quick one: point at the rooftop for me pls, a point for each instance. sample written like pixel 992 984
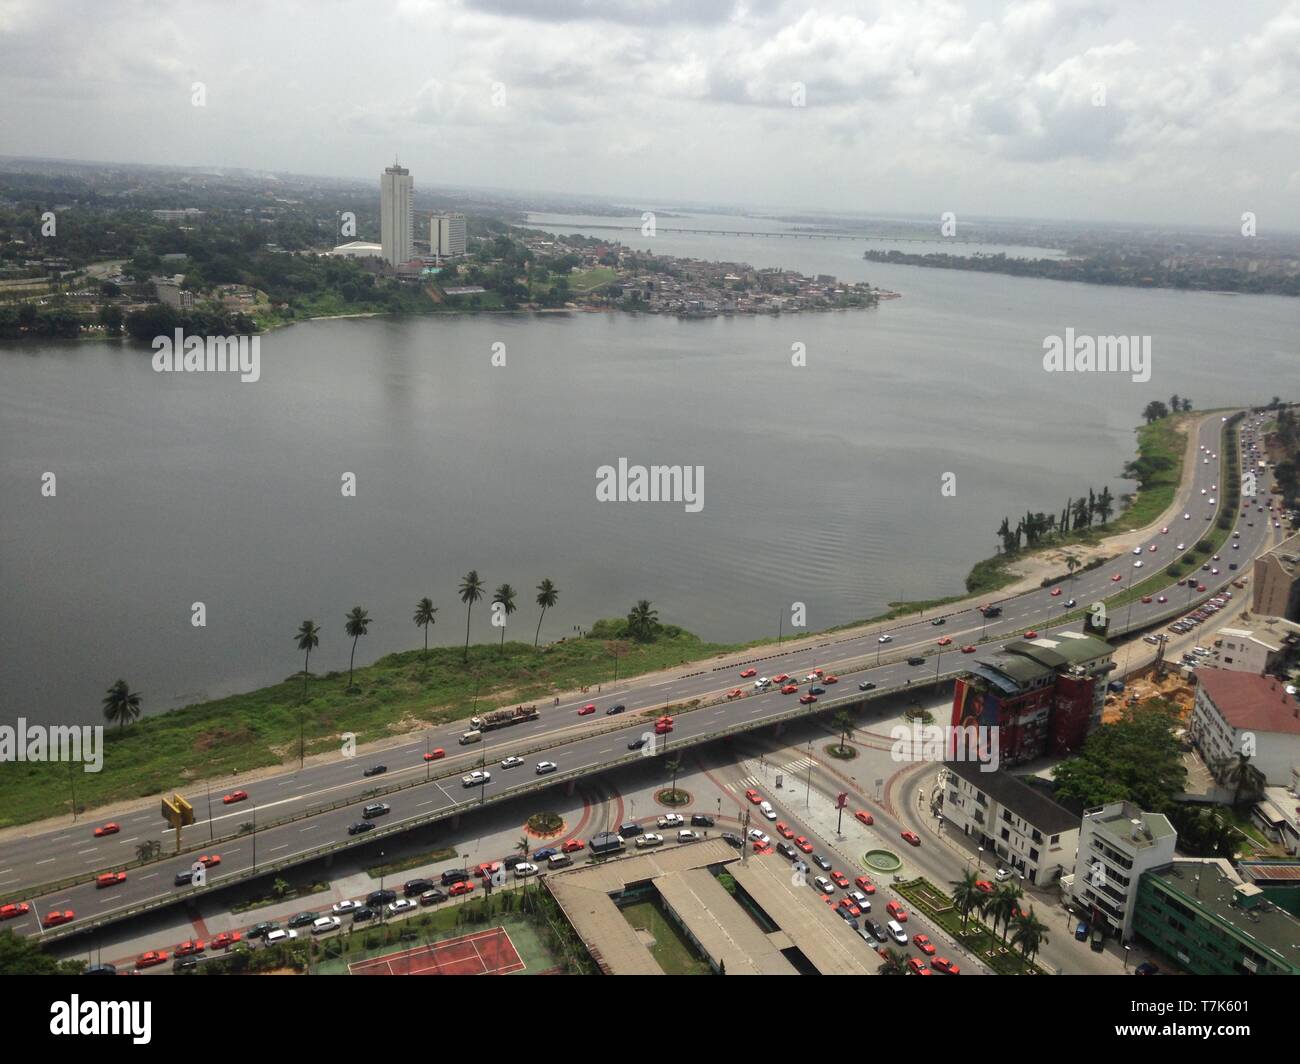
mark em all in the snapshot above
pixel 1126 824
pixel 1250 702
pixel 1026 802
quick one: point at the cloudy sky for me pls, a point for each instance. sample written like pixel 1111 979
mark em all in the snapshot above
pixel 1161 112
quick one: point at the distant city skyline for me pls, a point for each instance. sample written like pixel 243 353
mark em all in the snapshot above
pixel 1181 114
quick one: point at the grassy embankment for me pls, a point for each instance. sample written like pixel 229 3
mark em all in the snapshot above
pixel 258 729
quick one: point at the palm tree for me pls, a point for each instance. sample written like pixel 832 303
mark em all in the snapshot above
pixel 674 766
pixel 308 640
pixel 1002 905
pixel 966 895
pixel 1071 564
pixel 121 704
pixel 1030 934
pixel 642 620
pixel 524 846
pixel 1246 778
pixel 547 593
pixel 843 722
pixel 893 962
pixel 424 611
pixel 504 596
pixel 358 625
pixel 471 590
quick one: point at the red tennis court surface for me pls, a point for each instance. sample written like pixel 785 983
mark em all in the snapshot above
pixel 483 953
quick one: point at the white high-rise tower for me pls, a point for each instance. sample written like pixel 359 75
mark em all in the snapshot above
pixel 447 235
pixel 395 187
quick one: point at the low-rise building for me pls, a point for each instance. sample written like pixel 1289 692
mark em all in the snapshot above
pixel 1262 647
pixel 1117 843
pixel 359 249
pixel 1240 713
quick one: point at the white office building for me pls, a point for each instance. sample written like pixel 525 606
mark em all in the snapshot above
pixel 1117 843
pixel 447 235
pixel 395 235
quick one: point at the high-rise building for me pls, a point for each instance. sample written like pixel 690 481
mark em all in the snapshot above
pixel 447 235
pixel 395 187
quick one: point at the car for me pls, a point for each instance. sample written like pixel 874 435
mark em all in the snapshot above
pixel 1165 531
pixel 671 820
pixel 150 958
pixel 848 905
pixel 1181 546
pixel 916 659
pixel 412 887
pixel 923 943
pixel 1137 565
pixel 225 939
pixel 483 871
pixel 14 909
pixel 190 947
pixel 234 796
pixel 649 839
pixel 435 755
pixel 524 869
pixel 823 884
pixel 1070 604
pixel 433 896
pixel 945 641
pixel 968 649
pixel 735 692
pixel 804 844
pixel 984 886
pixel 375 809
pixel 636 744
pixel 616 709
pixel 784 830
pixel 1116 578
pixel 911 838
pixel 401 905
pixel 1003 874
pixel 58 916
pixel 1151 549
pixel 701 820
pixel 816 690
pixel 761 683
pixel 345 906
pixel 325 924
pixel 1146 598
pixel 110 879
pixel 463 887
pixel 841 880
pixel 1031 634
pixel 783 678
pixel 864 817
pixel 918 967
pixel 686 835
pixel 544 767
pixel 1200 587
pixel 477 778
pixel 870 927
pixel 866 685
pixel 278 937
pixel 1137 550
pixel 587 710
pixel 755 835
pixel 511 762
pixel 821 862
pixel 361 915
pixel 807 699
pixel 1187 517
pixel 111 828
pixel 789 689
pixel 885 639
pixel 1147 968
pixel 944 965
pixel 1214 571
pixel 1056 592
pixel 767 810
pixel 896 911
pixel 747 673
pixel 360 827
pixel 830 679
pixel 263 929
pixel 753 796
pixel 1161 598
pixel 865 885
pixel 374 770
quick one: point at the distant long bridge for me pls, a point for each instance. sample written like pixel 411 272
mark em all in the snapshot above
pixel 792 234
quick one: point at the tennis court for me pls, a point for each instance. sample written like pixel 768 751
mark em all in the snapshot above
pixel 482 953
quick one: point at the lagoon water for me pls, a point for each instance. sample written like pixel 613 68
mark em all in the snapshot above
pixel 821 483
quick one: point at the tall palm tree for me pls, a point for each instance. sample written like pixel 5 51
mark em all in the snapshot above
pixel 524 846
pixel 1002 906
pixel 1245 778
pixel 966 895
pixel 308 640
pixel 504 596
pixel 1030 934
pixel 893 962
pixel 674 766
pixel 121 704
pixel 424 611
pixel 642 620
pixel 547 593
pixel 471 590
pixel 843 722
pixel 358 625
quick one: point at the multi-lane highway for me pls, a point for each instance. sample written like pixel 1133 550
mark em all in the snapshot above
pixel 582 744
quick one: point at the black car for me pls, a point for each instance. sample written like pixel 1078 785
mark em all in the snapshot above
pixel 412 887
pixel 375 809
pixel 848 918
pixel 377 898
pixel 362 914
pixel 101 969
pixel 992 611
pixel 185 964
pixel 432 896
pixel 360 827
pixel 508 863
pixel 636 744
pixel 263 929
pixel 821 862
pixel 699 820
pixel 875 930
pixel 301 919
pixel 375 770
pixel 454 875
pixel 735 840
pixel 938 621
pixel 866 685
pixel 183 879
pixel 1147 968
pixel 615 709
pixel 916 661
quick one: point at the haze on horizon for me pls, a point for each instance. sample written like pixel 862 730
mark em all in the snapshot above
pixel 987 109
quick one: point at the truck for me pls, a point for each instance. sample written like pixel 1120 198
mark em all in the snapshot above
pixel 503 718
pixel 471 737
pixel 605 842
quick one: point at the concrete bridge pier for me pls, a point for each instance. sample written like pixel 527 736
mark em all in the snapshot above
pixel 778 729
pixel 570 787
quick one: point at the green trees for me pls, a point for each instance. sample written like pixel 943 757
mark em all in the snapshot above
pixel 121 704
pixel 966 895
pixel 308 640
pixel 424 611
pixel 504 596
pixel 1029 933
pixel 1154 411
pixel 547 595
pixel 642 621
pixel 358 624
pixel 1135 759
pixel 470 591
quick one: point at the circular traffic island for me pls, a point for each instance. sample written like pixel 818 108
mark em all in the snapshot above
pixel 882 862
pixel 843 753
pixel 545 825
pixel 673 799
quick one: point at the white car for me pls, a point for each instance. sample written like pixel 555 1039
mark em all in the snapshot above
pixel 885 639
pixel 325 924
pixel 767 809
pixel 1181 546
pixel 860 900
pixel 273 937
pixel 543 767
pixel 1137 565
pixel 512 762
pixel 1002 874
pixel 761 682
pixel 823 884
pixel 345 906
pixel 475 778
pixel 523 870
pixel 1137 550
pixel 757 836
pixel 672 820
pixel 686 835
pixel 649 839
pixel 1187 517
pixel 1204 492
pixel 401 905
